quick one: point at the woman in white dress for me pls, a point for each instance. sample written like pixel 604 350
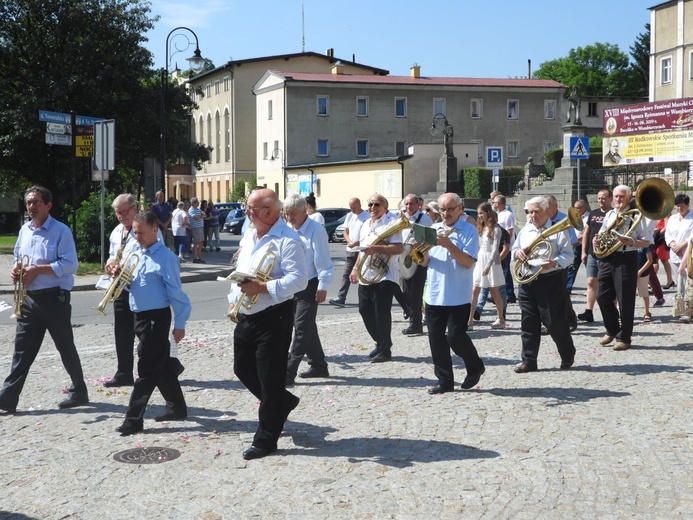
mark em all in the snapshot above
pixel 487 270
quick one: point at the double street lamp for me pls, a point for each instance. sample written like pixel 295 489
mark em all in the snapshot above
pixel 180 43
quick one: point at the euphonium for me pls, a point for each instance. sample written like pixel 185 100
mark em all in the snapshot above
pixel 417 253
pixel 262 272
pixel 19 287
pixel 378 262
pixel 541 248
pixel 124 277
pixel 654 199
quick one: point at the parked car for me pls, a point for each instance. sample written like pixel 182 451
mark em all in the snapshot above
pixel 332 214
pixel 224 210
pixel 332 226
pixel 234 221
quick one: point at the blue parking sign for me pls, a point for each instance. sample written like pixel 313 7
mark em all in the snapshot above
pixel 494 157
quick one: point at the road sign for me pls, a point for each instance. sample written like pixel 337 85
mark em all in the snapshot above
pixel 579 148
pixel 84 140
pixel 84 151
pixel 494 157
pixel 104 144
pixel 63 140
pixel 58 128
pixel 54 117
pixel 86 120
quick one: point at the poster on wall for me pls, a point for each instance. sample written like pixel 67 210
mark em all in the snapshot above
pixel 648 148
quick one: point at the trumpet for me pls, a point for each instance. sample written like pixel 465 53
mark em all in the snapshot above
pixel 124 277
pixel 20 287
pixel 378 262
pixel 262 272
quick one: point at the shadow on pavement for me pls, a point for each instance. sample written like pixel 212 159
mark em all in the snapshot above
pixel 557 396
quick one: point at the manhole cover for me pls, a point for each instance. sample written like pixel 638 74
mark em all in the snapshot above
pixel 146 455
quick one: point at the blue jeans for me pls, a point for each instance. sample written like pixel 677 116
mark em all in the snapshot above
pixel 180 243
pixel 484 297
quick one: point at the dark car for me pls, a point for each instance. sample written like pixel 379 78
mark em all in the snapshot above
pixel 224 210
pixel 332 226
pixel 332 214
pixel 234 221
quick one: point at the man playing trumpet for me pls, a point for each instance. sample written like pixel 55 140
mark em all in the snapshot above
pixel 543 299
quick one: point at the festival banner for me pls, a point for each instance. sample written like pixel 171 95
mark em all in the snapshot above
pixel 648 148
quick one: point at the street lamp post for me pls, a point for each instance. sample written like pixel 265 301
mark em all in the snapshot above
pixel 196 61
pixel 448 178
pixel 275 152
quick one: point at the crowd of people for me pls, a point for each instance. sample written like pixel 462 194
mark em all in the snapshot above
pixel 457 263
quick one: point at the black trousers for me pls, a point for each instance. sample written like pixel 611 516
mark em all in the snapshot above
pixel 260 347
pixel 306 339
pixel 454 319
pixel 154 367
pixel 124 330
pixel 349 264
pixel 43 310
pixel 375 305
pixel 543 300
pixel 413 289
pixel 509 282
pixel 618 280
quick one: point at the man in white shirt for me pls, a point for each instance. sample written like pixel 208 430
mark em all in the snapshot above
pixel 413 287
pixel 352 227
pixel 678 232
pixel 506 220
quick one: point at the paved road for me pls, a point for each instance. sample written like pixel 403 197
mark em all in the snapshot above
pixel 610 438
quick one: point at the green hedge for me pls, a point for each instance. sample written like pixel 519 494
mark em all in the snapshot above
pixel 88 219
pixel 552 160
pixel 478 182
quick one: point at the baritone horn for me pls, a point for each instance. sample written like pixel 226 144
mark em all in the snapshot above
pixel 262 272
pixel 654 199
pixel 20 287
pixel 124 277
pixel 378 262
pixel 542 250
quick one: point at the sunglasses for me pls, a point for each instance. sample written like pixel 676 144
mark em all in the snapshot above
pixel 376 204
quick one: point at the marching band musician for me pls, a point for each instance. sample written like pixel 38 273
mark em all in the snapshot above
pixel 544 298
pixel 262 336
pixel 320 271
pixel 618 274
pixel 156 287
pixel 122 241
pixel 449 294
pixel 375 299
pixel 413 287
pixel 48 279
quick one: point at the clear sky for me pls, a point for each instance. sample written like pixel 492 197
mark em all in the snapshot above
pixel 463 38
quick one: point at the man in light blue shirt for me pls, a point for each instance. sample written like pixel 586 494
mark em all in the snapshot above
pixel 320 271
pixel 48 259
pixel 262 335
pixel 156 288
pixel 448 295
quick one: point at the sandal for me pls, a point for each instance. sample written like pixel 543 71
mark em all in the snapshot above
pixel 647 318
pixel 669 285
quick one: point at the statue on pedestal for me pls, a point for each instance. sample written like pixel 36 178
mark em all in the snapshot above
pixel 574 105
pixel 447 139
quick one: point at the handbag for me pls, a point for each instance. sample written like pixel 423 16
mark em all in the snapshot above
pixel 681 306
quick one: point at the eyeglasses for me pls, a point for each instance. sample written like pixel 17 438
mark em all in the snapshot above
pixel 376 204
pixel 448 210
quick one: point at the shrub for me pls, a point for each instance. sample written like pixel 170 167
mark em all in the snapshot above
pixel 478 182
pixel 552 160
pixel 88 217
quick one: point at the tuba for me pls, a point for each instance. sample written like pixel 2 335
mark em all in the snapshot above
pixel 19 287
pixel 262 272
pixel 654 199
pixel 378 262
pixel 541 249
pixel 124 277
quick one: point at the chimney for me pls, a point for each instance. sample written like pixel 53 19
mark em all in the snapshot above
pixel 330 52
pixel 338 68
pixel 529 69
pixel 415 71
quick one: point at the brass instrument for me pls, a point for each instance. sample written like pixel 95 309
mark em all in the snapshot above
pixel 124 277
pixel 541 249
pixel 417 253
pixel 654 199
pixel 262 272
pixel 378 262
pixel 20 287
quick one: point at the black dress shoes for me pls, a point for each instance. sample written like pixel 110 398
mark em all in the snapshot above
pixel 412 331
pixel 439 389
pixel 523 368
pixel 382 357
pixel 257 453
pixel 170 416
pixel 119 381
pixel 73 401
pixel 374 352
pixel 7 409
pixel 567 363
pixel 315 372
pixel 472 379
pixel 126 430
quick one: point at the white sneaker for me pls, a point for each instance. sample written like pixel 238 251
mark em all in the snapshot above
pixel 685 319
pixel 182 259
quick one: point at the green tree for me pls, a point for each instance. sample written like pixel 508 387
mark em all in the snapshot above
pixel 639 80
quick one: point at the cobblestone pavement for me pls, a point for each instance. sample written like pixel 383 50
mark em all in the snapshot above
pixel 610 438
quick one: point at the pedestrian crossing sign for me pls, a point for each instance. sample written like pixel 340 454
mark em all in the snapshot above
pixel 579 148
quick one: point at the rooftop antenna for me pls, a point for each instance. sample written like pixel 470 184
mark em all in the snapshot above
pixel 303 29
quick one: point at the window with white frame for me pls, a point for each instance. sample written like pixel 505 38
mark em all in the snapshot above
pixel 269 109
pixel 208 89
pixel 217 129
pixel 401 108
pixel 226 83
pixel 550 109
pixel 513 148
pixel 323 147
pixel 479 147
pixel 265 154
pixel 227 136
pixel 276 147
pixel 513 109
pixel 438 106
pixel 362 147
pixel 217 84
pixel 592 109
pixel 323 105
pixel 362 106
pixel 193 95
pixel 476 108
pixel 665 66
pixel 547 146
pixel 400 148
